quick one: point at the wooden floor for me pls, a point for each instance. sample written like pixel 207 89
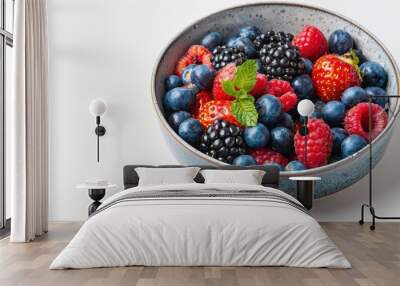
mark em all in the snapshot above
pixel 375 257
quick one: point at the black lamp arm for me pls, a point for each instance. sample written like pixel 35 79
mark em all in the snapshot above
pixel 99 131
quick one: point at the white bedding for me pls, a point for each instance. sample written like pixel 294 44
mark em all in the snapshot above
pixel 200 231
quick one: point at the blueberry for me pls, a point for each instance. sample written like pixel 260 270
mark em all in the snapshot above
pixel 202 76
pixel 295 166
pixel 180 98
pixel 286 120
pixel 279 166
pixel 308 65
pixel 212 40
pixel 247 45
pixel 335 157
pixel 190 130
pixel 282 140
pixel 382 100
pixel 172 81
pixel 186 74
pixel 269 109
pixel 338 135
pixel 318 106
pixel 361 58
pixel 303 87
pixel 373 74
pixel 354 95
pixel 176 118
pixel 250 32
pixel 231 42
pixel 244 160
pixel 340 42
pixel 334 112
pixel 352 144
pixel 257 136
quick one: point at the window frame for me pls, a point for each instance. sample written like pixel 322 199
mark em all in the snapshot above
pixel 6 39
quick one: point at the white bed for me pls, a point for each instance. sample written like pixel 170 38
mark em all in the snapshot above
pixel 206 230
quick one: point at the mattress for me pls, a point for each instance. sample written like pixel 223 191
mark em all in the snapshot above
pixel 200 225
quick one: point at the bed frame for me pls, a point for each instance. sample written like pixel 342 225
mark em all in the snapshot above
pixel 271 177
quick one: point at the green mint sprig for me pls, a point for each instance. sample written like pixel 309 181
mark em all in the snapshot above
pixel 243 107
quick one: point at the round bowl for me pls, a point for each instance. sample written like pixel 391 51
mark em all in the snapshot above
pixel 291 18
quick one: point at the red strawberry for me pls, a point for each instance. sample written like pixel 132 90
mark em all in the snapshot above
pixel 311 43
pixel 201 98
pixel 265 156
pixel 216 109
pixel 357 119
pixel 196 54
pixel 319 144
pixel 261 85
pixel 288 100
pixel 278 87
pixel 226 73
pixel 332 75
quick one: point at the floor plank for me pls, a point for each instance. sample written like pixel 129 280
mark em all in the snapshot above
pixel 375 257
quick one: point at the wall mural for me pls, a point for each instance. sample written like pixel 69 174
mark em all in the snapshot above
pixel 227 91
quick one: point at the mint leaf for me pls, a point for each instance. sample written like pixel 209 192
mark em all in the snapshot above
pixel 245 77
pixel 245 111
pixel 229 87
pixel 241 94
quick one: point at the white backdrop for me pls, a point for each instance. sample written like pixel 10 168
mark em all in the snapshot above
pixel 107 49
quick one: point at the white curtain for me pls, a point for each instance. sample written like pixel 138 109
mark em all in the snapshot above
pixel 27 117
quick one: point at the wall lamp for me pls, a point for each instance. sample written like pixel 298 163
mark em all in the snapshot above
pixel 305 109
pixel 97 108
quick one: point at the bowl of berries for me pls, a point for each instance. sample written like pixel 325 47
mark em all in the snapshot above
pixel 227 90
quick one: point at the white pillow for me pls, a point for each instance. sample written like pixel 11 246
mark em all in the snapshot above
pixel 247 177
pixel 165 176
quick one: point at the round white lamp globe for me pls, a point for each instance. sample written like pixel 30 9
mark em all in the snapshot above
pixel 97 107
pixel 305 107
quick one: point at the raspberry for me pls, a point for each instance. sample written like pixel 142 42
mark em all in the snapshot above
pixel 288 100
pixel 311 42
pixel 278 87
pixel 196 54
pixel 357 119
pixel 319 144
pixel 265 156
pixel 261 85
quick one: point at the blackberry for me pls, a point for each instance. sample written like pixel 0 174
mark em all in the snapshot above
pixel 223 55
pixel 281 61
pixel 223 141
pixel 272 37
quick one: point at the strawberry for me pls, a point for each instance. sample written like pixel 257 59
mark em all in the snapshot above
pixel 216 109
pixel 311 43
pixel 319 144
pixel 288 100
pixel 196 54
pixel 332 75
pixel 201 98
pixel 278 87
pixel 261 85
pixel 226 73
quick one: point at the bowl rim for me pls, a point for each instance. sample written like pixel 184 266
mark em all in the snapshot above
pixel 312 171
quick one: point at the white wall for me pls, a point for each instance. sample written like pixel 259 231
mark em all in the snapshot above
pixel 107 49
